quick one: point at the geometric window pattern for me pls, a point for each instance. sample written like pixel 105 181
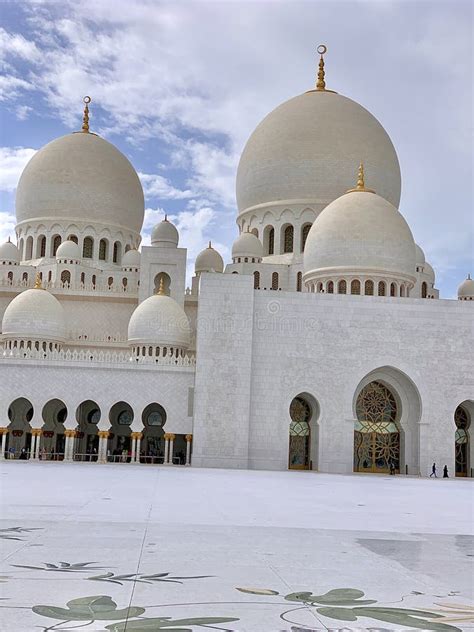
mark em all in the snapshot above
pixel 300 413
pixel 376 409
pixel 462 420
pixel 288 239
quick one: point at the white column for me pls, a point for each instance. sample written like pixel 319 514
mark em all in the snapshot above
pixel 2 443
pixel 172 438
pixel 167 447
pixel 189 438
pixel 102 452
pixel 38 445
pixel 134 447
pixel 137 453
pixel 33 446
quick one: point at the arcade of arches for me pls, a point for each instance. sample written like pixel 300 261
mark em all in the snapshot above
pixel 90 440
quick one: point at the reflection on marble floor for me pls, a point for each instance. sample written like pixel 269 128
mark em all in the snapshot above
pixel 93 562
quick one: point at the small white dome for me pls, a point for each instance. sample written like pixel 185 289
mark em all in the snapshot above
pixel 428 270
pixel 9 252
pixel 247 245
pixel 466 289
pixel 165 234
pixel 131 259
pixel 159 320
pixel 360 233
pixel 420 256
pixel 209 260
pixel 68 250
pixel 34 315
pixel 81 177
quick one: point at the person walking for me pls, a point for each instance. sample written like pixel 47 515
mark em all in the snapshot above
pixel 392 468
pixel 433 471
pixel 445 472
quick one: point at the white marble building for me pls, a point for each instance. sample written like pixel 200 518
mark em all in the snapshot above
pixel 323 345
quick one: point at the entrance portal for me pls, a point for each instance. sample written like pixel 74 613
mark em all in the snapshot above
pixel 376 436
pixel 463 421
pixel 300 435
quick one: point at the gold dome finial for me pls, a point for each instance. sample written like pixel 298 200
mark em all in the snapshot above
pixel 320 83
pixel 161 289
pixel 360 186
pixel 37 285
pixel 85 118
pixel 210 245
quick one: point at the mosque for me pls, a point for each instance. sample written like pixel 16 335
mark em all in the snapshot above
pixel 322 345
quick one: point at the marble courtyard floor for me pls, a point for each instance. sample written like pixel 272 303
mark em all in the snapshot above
pixel 141 548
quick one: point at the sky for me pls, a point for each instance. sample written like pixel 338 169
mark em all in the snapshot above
pixel 179 87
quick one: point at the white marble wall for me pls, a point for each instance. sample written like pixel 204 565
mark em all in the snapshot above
pixel 278 346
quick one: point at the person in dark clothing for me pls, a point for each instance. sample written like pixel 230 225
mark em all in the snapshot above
pixel 445 472
pixel 433 471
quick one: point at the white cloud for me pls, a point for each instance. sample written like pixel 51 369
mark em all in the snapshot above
pixel 12 162
pixel 22 112
pixel 7 226
pixel 157 186
pixel 11 87
pixel 16 45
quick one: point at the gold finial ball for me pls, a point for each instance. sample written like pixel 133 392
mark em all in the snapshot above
pixel 86 100
pixel 322 48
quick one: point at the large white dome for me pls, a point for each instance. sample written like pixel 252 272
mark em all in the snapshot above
pixel 34 315
pixel 165 234
pixel 466 289
pixel 159 320
pixel 83 178
pixel 208 260
pixel 306 149
pixel 360 233
pixel 9 252
pixel 247 245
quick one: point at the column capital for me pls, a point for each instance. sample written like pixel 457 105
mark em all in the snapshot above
pixel 103 434
pixel 168 436
pixel 189 438
pixel 136 435
pixel 69 433
pixel 4 431
pixel 36 432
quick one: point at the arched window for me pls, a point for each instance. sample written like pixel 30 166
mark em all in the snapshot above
pixel 56 244
pixel 29 248
pixel 256 280
pixel 124 281
pixel 94 278
pixel 88 248
pixel 381 288
pixel 424 289
pixel 73 238
pixel 103 249
pixel 330 287
pixel 304 235
pixel 393 289
pixel 355 286
pixel 24 277
pixel 128 247
pixel 20 247
pixel 271 241
pixel 41 246
pixel 320 287
pixel 275 280
pixel 10 277
pixel 50 276
pixel 254 231
pixel 65 276
pixel 117 252
pixel 299 282
pixel 402 290
pixel 342 287
pixel 288 239
pixel 83 277
pixel 110 281
pixel 369 288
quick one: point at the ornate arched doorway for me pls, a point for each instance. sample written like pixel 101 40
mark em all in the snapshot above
pixel 376 435
pixel 299 454
pixel 153 443
pixel 462 420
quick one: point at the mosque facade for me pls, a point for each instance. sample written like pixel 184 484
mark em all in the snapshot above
pixel 323 344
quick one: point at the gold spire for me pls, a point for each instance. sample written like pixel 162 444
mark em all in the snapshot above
pixel 85 118
pixel 320 83
pixel 360 186
pixel 37 285
pixel 161 289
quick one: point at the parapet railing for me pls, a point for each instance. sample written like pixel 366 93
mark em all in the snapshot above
pixel 103 288
pixel 97 357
